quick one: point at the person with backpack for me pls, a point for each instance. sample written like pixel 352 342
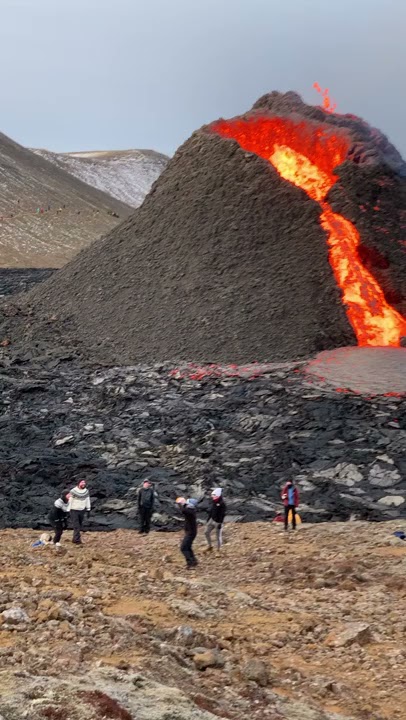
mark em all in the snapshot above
pixel 215 519
pixel 290 498
pixel 188 510
pixel 58 516
pixel 146 499
pixel 79 504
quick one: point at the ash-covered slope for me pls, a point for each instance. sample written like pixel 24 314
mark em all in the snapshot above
pixel 124 174
pixel 269 236
pixel 47 215
pixel 223 261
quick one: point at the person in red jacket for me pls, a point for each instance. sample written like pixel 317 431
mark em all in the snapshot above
pixel 290 497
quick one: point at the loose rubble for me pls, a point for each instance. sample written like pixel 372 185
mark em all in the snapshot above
pixel 305 626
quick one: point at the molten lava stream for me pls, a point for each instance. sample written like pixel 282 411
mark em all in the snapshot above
pixel 374 321
pixel 306 155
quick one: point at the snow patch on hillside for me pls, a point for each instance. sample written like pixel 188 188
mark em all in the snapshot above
pixel 126 175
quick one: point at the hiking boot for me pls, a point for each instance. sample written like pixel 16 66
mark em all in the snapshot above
pixel 208 549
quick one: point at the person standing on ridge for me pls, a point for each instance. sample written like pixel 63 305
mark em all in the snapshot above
pixel 217 512
pixel 79 504
pixel 146 498
pixel 58 516
pixel 188 510
pixel 290 497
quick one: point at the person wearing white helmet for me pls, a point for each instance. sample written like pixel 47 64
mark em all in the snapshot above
pixel 188 510
pixel 215 519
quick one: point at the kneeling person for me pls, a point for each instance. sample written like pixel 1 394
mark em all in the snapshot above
pixel 58 516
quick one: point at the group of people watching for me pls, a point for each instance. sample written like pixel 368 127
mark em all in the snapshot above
pixel 76 503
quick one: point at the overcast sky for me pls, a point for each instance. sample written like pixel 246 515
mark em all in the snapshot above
pixel 117 74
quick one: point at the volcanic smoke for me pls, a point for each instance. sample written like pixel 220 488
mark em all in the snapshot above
pixel 307 156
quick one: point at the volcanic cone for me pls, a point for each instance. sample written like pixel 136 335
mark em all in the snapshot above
pixel 270 236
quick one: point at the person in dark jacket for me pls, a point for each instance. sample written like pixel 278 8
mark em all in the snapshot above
pixel 58 516
pixel 146 506
pixel 188 510
pixel 215 519
pixel 290 497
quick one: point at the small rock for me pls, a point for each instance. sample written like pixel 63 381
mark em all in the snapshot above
pixel 346 635
pixel 396 542
pixel 185 635
pixel 255 671
pixel 209 658
pixel 189 608
pixel 54 613
pixel 382 477
pixel 64 440
pixel 15 615
pixel 158 574
pixel 392 500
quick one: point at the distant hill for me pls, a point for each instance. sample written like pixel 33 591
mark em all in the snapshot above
pixel 46 214
pixel 125 174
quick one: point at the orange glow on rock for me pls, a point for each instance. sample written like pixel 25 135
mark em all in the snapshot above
pixel 306 154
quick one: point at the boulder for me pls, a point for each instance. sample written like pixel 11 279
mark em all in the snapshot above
pixel 208 658
pixel 392 500
pixel 15 616
pixel 255 671
pixel 383 477
pixel 345 635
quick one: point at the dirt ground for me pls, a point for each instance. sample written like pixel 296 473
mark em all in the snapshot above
pixel 321 610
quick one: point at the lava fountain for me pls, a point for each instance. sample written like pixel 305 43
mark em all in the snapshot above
pixel 306 154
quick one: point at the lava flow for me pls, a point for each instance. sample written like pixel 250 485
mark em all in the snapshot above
pixel 306 155
pixel 328 105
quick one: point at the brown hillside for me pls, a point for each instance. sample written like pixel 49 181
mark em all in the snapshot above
pixel 74 214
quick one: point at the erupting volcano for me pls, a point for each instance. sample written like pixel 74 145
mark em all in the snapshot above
pixel 270 236
pixel 307 157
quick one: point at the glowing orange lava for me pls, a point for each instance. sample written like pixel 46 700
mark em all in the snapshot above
pixel 306 155
pixel 327 104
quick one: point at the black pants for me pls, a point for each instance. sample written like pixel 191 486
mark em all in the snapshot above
pixel 186 549
pixel 145 519
pixel 77 517
pixel 59 527
pixel 288 508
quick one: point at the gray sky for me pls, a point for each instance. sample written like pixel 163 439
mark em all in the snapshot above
pixel 111 74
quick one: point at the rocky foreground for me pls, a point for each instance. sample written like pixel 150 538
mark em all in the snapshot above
pixel 308 626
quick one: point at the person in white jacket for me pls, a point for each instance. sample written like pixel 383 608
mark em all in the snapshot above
pixel 79 504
